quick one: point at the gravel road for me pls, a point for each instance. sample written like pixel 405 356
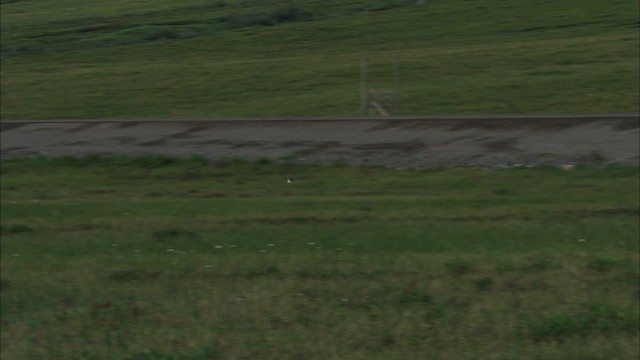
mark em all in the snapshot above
pixel 483 141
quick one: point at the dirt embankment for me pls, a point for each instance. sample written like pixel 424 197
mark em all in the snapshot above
pixel 487 141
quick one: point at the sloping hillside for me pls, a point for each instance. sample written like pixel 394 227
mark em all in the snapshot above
pixel 194 58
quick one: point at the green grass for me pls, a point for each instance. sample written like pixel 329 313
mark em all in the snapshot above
pixel 159 258
pixel 123 59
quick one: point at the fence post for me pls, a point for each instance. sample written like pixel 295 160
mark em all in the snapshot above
pixel 364 90
pixel 397 103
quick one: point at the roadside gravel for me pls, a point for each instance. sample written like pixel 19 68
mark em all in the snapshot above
pixel 394 142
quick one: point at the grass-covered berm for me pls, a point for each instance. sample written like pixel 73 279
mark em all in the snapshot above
pixel 208 58
pixel 160 258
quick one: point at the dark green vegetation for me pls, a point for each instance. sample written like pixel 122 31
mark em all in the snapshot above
pixel 156 258
pixel 164 58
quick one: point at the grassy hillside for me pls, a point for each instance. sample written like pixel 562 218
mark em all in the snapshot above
pixel 155 258
pixel 93 59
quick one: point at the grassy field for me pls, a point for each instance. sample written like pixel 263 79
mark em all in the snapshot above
pixel 193 58
pixel 156 258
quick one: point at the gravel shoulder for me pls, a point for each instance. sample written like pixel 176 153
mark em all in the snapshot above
pixel 486 141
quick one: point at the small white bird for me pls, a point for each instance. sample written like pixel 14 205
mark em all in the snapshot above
pixel 290 180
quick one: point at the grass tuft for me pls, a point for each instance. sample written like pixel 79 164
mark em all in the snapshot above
pixel 15 229
pixel 167 235
pixel 559 326
pixel 133 274
pixel 483 283
pixel 459 267
pixel 601 264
